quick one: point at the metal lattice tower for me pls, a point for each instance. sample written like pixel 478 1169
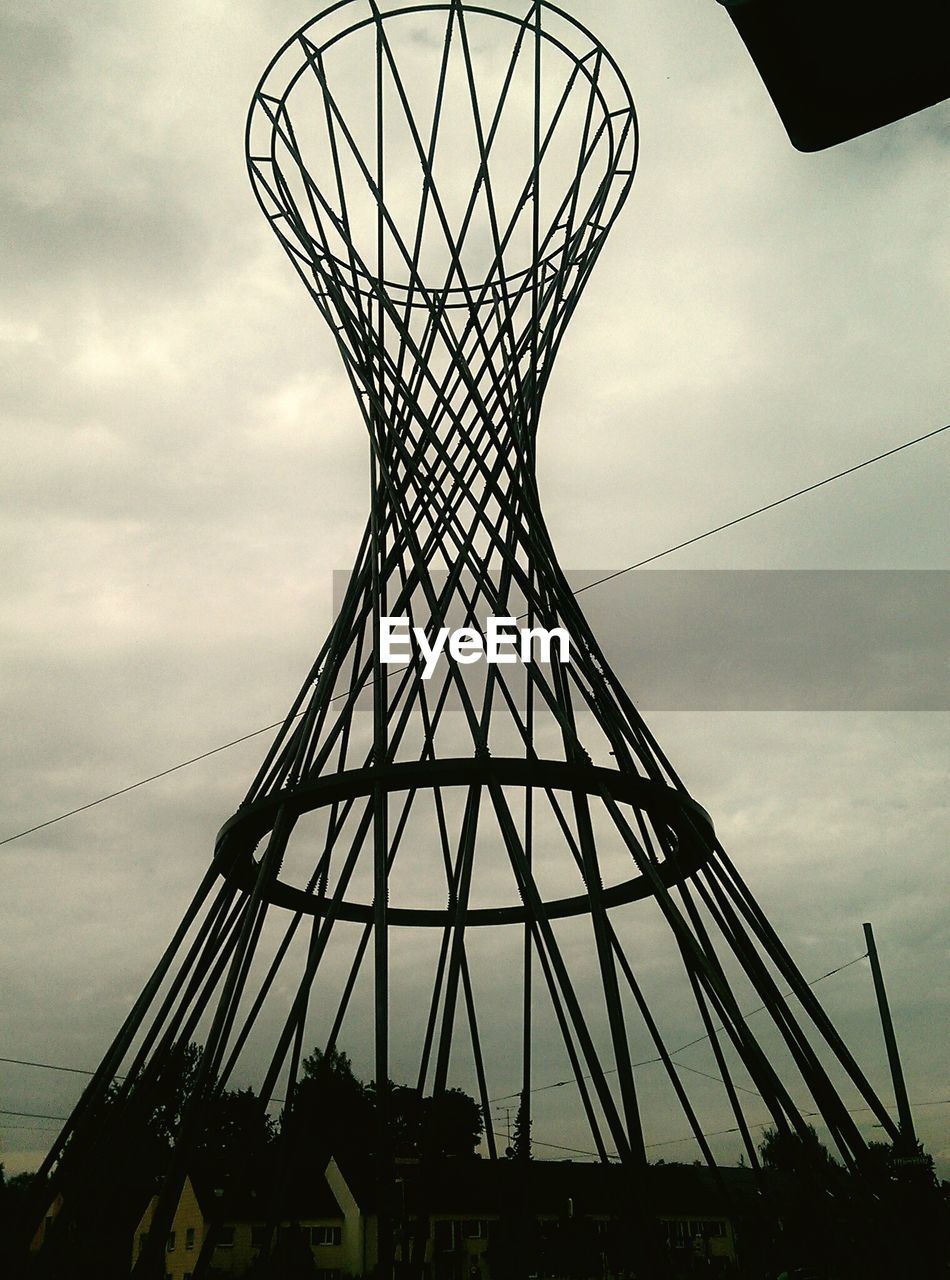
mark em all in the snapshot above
pixel 443 177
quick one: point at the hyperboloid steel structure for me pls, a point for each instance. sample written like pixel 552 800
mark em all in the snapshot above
pixel 478 866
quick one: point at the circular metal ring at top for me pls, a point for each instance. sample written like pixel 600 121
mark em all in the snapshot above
pixel 275 164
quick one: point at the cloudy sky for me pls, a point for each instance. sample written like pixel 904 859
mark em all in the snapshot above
pixel 185 468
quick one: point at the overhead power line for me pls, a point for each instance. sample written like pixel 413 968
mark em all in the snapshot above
pixel 535 1142
pixel 649 1062
pixel 47 1066
pixel 31 1115
pixel 659 555
pixel 716 1133
pixel 558 1084
pixel 769 506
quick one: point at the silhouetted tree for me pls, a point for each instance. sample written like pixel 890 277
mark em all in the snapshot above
pixel 330 1113
pixel 236 1136
pixel 334 1113
pixel 521 1139
pixel 451 1125
pixel 127 1153
pixel 13 1198
pixel 795 1152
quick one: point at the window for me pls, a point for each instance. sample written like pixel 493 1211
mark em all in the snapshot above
pixel 260 1237
pixel 450 1235
pixel 679 1234
pixel 323 1235
pixel 705 1229
pixel 189 1238
pixel 444 1233
pixel 225 1238
pixel 170 1242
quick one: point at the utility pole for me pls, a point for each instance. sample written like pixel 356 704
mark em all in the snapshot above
pixel 890 1041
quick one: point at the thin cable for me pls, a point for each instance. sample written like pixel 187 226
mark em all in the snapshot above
pixel 681 1066
pixel 143 782
pixel 649 1062
pixel 769 506
pixel 764 1124
pixel 556 1146
pixel 729 524
pixel 758 1009
pixel 31 1115
pixel 28 1128
pixel 716 1133
pixel 83 1071
pixel 49 1066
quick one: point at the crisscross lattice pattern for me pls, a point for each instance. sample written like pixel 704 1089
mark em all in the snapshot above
pixel 442 177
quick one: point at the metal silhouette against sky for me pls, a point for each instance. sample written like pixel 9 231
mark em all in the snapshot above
pixel 458 859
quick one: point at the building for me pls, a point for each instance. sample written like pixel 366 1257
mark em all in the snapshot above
pixel 468 1219
pixel 227 1229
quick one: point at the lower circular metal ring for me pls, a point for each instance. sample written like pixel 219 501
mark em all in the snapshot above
pixel 691 825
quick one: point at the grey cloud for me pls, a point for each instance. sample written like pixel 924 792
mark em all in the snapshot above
pixel 184 468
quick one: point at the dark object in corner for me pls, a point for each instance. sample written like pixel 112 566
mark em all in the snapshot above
pixel 839 68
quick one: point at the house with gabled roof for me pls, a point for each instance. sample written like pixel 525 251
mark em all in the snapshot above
pixel 465 1218
pixel 226 1228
